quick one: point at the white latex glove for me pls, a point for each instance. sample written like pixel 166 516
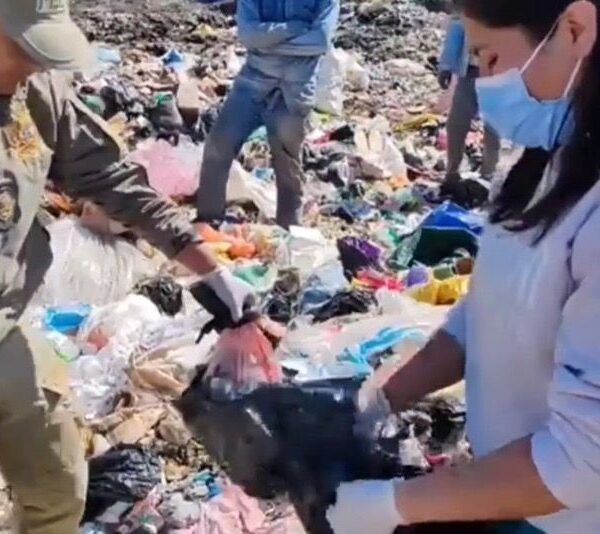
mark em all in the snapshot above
pixel 372 409
pixel 365 506
pixel 231 290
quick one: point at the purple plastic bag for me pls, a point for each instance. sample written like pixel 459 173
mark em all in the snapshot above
pixel 357 253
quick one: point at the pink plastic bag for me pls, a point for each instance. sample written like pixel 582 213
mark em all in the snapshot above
pixel 173 171
pixel 245 356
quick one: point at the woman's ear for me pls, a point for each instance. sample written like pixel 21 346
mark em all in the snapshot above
pixel 580 20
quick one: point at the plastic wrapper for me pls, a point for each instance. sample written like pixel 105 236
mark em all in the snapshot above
pixel 90 269
pixel 245 356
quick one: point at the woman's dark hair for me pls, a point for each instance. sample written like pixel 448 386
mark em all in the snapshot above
pixel 580 161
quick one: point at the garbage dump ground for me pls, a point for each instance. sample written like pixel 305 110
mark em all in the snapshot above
pixel 381 257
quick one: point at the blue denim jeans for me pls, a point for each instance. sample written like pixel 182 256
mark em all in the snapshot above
pixel 243 112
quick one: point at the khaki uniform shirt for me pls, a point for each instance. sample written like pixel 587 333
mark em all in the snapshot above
pixel 46 132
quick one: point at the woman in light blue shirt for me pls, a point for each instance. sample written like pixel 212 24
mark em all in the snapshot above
pixel 527 337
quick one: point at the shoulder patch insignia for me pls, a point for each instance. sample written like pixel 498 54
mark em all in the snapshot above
pixel 24 141
pixel 9 204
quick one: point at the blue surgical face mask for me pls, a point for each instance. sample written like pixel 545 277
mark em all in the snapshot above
pixel 507 106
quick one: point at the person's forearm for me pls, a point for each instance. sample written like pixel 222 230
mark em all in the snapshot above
pixel 503 486
pixel 264 35
pixel 441 363
pixel 197 258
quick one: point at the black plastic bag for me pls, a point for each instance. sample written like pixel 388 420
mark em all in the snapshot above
pixel 345 303
pixel 125 473
pixel 164 292
pixel 287 440
pixel 301 442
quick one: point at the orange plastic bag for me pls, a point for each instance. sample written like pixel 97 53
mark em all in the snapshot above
pixel 245 356
pixel 240 247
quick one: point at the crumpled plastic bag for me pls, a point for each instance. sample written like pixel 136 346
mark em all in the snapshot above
pixel 122 318
pixel 126 473
pixel 110 337
pixel 381 158
pixel 91 269
pixel 358 253
pixel 442 292
pixel 173 170
pixel 246 357
pixel 309 249
pixel 337 67
pixel 244 186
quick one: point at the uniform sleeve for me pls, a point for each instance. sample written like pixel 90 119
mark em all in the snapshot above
pixel 318 39
pixel 255 34
pixel 567 451
pixel 453 47
pixel 88 164
pixel 456 324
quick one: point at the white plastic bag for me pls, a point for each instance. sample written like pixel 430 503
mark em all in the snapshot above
pixel 88 268
pixel 112 335
pixel 243 186
pixel 337 67
pixel 376 148
pixel 308 250
pixel 330 82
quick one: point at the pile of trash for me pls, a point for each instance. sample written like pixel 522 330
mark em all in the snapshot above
pixel 349 296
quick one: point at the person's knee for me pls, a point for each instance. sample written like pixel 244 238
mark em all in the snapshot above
pixel 220 144
pixel 288 135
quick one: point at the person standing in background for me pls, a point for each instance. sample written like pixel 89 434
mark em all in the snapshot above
pixel 275 88
pixel 456 60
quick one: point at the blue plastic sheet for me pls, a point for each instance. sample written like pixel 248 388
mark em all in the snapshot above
pixel 66 320
pixel 450 216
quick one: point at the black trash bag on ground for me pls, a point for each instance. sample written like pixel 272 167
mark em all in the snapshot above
pixel 165 292
pixel 467 193
pixel 280 440
pixel 345 303
pixel 125 473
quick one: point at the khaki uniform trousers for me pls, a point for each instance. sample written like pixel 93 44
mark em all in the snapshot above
pixel 41 453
